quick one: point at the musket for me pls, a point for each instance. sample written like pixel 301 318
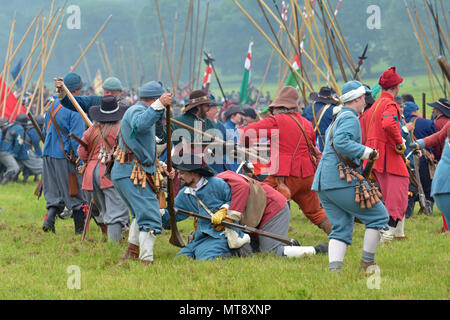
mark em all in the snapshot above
pixel 175 237
pixel 360 62
pixel 39 187
pixel 213 138
pixel 244 228
pixel 209 60
pixel 78 139
pixel 425 205
pixel 88 219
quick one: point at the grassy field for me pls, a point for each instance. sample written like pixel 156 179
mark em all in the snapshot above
pixel 38 265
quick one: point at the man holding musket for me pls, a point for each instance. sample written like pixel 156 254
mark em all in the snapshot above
pixel 343 148
pixel 135 166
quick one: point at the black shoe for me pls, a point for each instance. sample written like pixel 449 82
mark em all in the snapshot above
pixel 321 248
pixel 78 219
pixel 49 223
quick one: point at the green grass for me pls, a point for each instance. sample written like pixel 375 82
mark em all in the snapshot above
pixel 34 264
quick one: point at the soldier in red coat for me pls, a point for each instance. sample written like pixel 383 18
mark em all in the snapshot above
pixel 293 174
pixel 380 126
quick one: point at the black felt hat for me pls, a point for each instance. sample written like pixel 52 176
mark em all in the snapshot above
pixel 108 111
pixel 443 105
pixel 325 96
pixel 193 163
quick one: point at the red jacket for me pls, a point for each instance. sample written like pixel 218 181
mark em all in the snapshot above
pixel 438 139
pixel 292 157
pixel 240 192
pixel 92 137
pixel 380 128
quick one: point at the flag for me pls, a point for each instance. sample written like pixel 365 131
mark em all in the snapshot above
pixel 98 82
pixel 11 102
pixel 290 81
pixel 15 72
pixel 284 12
pixel 243 94
pixel 207 78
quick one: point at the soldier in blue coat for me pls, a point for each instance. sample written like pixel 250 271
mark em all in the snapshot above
pixel 320 113
pixel 59 156
pixel 210 196
pixel 137 144
pixel 23 144
pixel 338 196
pixel 7 159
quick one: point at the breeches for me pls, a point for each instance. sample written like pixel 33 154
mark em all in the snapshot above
pixel 9 162
pixel 301 193
pixel 205 247
pixel 55 179
pixel 341 209
pixel 394 189
pixel 110 204
pixel 143 204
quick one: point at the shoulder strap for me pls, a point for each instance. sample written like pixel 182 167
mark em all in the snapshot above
pixel 343 159
pixel 57 129
pixel 373 114
pixel 308 141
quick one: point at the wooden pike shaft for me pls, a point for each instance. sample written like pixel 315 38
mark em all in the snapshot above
pixel 90 44
pixel 203 42
pixel 180 61
pixel 272 44
pixel 165 46
pixel 77 106
pixel 33 49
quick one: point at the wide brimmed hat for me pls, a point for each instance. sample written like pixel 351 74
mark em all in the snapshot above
pixel 287 98
pixel 325 96
pixel 443 105
pixel 197 98
pixel 108 111
pixel 389 78
pixel 193 163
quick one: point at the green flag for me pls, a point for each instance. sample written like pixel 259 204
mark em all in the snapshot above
pixel 243 93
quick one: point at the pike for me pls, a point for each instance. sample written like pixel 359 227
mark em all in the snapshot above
pixel 360 62
pixel 209 60
pixel 244 228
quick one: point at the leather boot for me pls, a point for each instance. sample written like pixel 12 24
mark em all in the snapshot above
pixel 325 225
pixel 8 177
pixel 49 223
pixel 364 266
pixel 132 252
pixel 78 219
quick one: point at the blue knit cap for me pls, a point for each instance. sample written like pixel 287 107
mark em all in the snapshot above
pixel 73 81
pixel 112 84
pixel 152 90
pixel 410 107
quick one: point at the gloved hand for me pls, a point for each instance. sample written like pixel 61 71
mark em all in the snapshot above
pixel 218 217
pixel 400 148
pixel 414 146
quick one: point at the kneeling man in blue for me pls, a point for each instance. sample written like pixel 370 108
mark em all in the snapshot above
pixel 137 154
pixel 210 196
pixel 343 140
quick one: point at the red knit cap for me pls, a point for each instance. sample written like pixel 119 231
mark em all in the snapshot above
pixel 389 78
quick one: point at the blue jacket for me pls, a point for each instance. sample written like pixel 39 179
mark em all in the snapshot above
pixel 85 102
pixel 70 122
pixel 138 130
pixel 214 192
pixel 4 144
pixel 441 181
pixel 15 135
pixel 324 123
pixel 35 140
pixel 347 142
